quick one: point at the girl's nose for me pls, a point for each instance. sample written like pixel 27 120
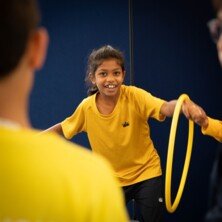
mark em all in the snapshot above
pixel 110 78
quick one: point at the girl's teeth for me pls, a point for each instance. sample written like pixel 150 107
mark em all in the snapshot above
pixel 110 86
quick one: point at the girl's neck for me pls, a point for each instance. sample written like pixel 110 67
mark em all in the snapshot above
pixel 108 100
pixel 106 105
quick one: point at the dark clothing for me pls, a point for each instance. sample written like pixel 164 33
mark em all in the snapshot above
pixel 214 213
pixel 148 196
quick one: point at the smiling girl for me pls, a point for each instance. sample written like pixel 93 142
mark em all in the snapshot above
pixel 115 116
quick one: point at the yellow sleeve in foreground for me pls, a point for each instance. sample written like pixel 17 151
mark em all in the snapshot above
pixel 214 129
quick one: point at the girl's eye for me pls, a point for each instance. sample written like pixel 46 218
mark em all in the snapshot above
pixel 103 74
pixel 117 73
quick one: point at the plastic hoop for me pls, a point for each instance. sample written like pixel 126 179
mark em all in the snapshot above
pixel 172 207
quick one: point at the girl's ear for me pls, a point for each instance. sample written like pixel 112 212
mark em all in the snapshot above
pixel 92 78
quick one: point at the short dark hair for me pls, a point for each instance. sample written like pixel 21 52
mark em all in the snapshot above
pixel 18 19
pixel 217 5
pixel 96 58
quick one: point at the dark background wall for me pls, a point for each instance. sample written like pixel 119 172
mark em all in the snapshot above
pixel 173 54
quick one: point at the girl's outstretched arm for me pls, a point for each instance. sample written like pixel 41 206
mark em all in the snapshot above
pixel 190 110
pixel 57 128
pixel 167 108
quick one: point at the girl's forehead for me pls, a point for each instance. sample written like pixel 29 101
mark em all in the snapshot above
pixel 110 63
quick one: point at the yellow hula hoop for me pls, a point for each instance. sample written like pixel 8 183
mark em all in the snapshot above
pixel 172 207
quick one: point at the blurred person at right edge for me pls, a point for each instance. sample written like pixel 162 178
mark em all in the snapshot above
pixel 213 128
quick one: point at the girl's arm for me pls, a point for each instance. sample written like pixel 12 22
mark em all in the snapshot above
pixel 190 110
pixel 167 108
pixel 57 128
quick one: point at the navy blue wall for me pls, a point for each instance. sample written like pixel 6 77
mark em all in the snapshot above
pixel 75 29
pixel 173 55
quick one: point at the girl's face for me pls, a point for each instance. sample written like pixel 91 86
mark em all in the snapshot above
pixel 108 78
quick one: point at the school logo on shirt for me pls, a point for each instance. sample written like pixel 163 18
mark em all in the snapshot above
pixel 125 124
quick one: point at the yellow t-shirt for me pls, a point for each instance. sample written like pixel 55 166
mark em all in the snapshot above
pixel 123 136
pixel 214 129
pixel 47 179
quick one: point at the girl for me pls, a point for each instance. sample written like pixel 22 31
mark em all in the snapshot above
pixel 114 116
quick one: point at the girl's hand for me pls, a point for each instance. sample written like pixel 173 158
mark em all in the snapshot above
pixel 194 112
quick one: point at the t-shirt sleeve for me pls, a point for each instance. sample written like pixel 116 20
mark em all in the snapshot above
pixel 214 129
pixel 149 105
pixel 75 123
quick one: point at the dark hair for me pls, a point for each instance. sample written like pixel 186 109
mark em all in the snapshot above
pixel 96 58
pixel 18 19
pixel 217 5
